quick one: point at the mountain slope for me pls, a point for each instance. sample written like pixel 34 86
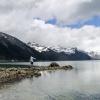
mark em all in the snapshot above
pixel 12 48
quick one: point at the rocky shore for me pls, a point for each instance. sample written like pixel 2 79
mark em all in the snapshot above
pixel 13 73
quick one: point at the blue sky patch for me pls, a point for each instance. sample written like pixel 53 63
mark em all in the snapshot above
pixel 52 21
pixel 95 20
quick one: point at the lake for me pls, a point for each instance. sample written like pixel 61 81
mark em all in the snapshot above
pixel 81 83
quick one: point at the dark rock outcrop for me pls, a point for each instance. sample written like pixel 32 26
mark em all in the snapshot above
pixel 54 64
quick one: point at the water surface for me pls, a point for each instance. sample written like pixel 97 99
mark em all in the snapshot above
pixel 81 83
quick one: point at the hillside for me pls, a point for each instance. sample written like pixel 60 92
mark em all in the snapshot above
pixel 14 49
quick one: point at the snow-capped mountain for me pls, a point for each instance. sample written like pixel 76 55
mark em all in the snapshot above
pixel 37 47
pixel 57 49
pixel 68 51
pixel 13 48
pixel 65 50
pixel 94 55
pixel 60 53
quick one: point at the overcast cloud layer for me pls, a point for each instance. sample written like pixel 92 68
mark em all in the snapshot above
pixel 25 19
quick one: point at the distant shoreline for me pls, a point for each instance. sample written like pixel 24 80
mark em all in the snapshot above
pixel 9 61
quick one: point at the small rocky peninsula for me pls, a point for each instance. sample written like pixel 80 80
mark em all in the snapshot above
pixel 11 73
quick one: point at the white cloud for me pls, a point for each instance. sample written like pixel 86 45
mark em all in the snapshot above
pixel 65 11
pixel 16 18
pixel 86 38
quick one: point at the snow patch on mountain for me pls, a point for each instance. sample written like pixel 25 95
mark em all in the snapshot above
pixel 65 50
pixel 94 55
pixel 57 49
pixel 38 47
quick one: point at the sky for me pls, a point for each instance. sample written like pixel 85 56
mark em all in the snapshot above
pixel 65 23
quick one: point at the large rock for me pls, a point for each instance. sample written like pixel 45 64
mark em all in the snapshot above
pixel 54 64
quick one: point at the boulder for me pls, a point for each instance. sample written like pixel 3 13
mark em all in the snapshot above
pixel 54 64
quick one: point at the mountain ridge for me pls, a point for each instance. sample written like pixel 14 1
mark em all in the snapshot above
pixel 60 52
pixel 12 48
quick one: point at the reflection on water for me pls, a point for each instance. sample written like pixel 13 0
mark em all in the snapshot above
pixel 81 83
